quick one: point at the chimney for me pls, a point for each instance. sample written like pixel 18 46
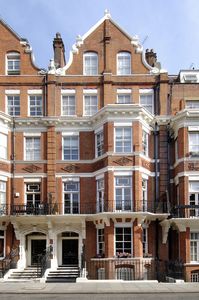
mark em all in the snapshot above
pixel 59 51
pixel 151 57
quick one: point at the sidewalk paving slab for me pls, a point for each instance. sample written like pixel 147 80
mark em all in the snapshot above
pixel 34 287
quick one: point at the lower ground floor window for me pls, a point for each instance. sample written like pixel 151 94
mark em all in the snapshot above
pixel 123 242
pixel 195 276
pixel 2 244
pixel 100 273
pixel 124 273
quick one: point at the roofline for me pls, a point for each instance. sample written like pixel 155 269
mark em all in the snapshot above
pixel 12 30
pixel 80 40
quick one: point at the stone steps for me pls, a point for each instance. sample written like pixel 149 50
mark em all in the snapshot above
pixel 63 274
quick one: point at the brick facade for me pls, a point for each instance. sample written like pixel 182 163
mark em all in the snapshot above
pixel 67 187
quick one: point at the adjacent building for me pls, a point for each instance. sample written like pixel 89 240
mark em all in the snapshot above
pixel 99 159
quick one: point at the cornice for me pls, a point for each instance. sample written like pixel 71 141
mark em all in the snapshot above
pixel 109 113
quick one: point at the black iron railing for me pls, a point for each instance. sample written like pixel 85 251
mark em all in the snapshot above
pixel 108 206
pixel 43 262
pixel 185 211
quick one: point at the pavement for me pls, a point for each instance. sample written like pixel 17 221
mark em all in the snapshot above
pixel 97 287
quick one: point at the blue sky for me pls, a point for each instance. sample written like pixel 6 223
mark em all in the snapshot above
pixel 171 26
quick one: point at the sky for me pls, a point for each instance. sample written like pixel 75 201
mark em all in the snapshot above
pixel 170 27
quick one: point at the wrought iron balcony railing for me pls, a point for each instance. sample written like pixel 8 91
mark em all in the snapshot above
pixel 110 206
pixel 185 211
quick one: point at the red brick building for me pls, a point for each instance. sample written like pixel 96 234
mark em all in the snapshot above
pixel 98 160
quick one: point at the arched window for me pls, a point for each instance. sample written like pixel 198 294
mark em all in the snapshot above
pixel 13 63
pixel 90 63
pixel 123 63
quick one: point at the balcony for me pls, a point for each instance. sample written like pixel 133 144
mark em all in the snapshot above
pixel 76 208
pixel 185 211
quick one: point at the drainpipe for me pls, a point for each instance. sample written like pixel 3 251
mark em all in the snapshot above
pixel 13 163
pixel 156 134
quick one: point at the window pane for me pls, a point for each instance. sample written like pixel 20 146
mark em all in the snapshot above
pixel 13 104
pixel 90 63
pixel 90 105
pixel 123 63
pixel 71 147
pixel 32 148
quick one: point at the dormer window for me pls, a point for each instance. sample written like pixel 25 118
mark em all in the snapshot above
pixel 190 78
pixel 192 104
pixel 13 63
pixel 123 63
pixel 90 63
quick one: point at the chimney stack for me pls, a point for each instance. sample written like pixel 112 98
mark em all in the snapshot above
pixel 59 51
pixel 151 57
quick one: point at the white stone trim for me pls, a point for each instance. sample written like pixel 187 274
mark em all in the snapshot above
pixel 3 178
pixel 70 178
pixel 68 91
pixel 89 91
pixel 144 176
pixel 32 134
pixel 122 124
pixel 33 179
pixel 146 91
pixel 69 133
pixel 193 128
pixel 100 176
pixel 12 92
pixel 124 173
pixel 124 91
pixel 35 92
pixel 99 129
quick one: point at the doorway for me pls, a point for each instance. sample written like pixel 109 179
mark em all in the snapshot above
pixel 69 252
pixel 38 247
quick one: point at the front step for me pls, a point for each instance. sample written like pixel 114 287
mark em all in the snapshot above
pixel 29 273
pixel 63 274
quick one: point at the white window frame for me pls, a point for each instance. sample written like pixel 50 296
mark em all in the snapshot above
pixel 13 106
pixel 194 191
pixel 100 241
pixel 192 104
pixel 2 193
pixel 93 109
pixel 126 96
pixel 194 247
pixel 145 244
pixel 122 71
pixel 13 57
pixel 99 143
pixel 145 143
pixel 123 140
pixel 33 191
pixel 194 147
pixel 3 237
pixel 144 194
pixel 90 70
pixel 3 146
pixel 123 204
pixel 70 136
pixel 36 107
pixel 33 149
pixel 147 93
pixel 68 93
pixel 100 194
pixel 123 226
pixel 71 193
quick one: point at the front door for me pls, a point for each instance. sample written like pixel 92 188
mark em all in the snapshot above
pixel 70 252
pixel 38 247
